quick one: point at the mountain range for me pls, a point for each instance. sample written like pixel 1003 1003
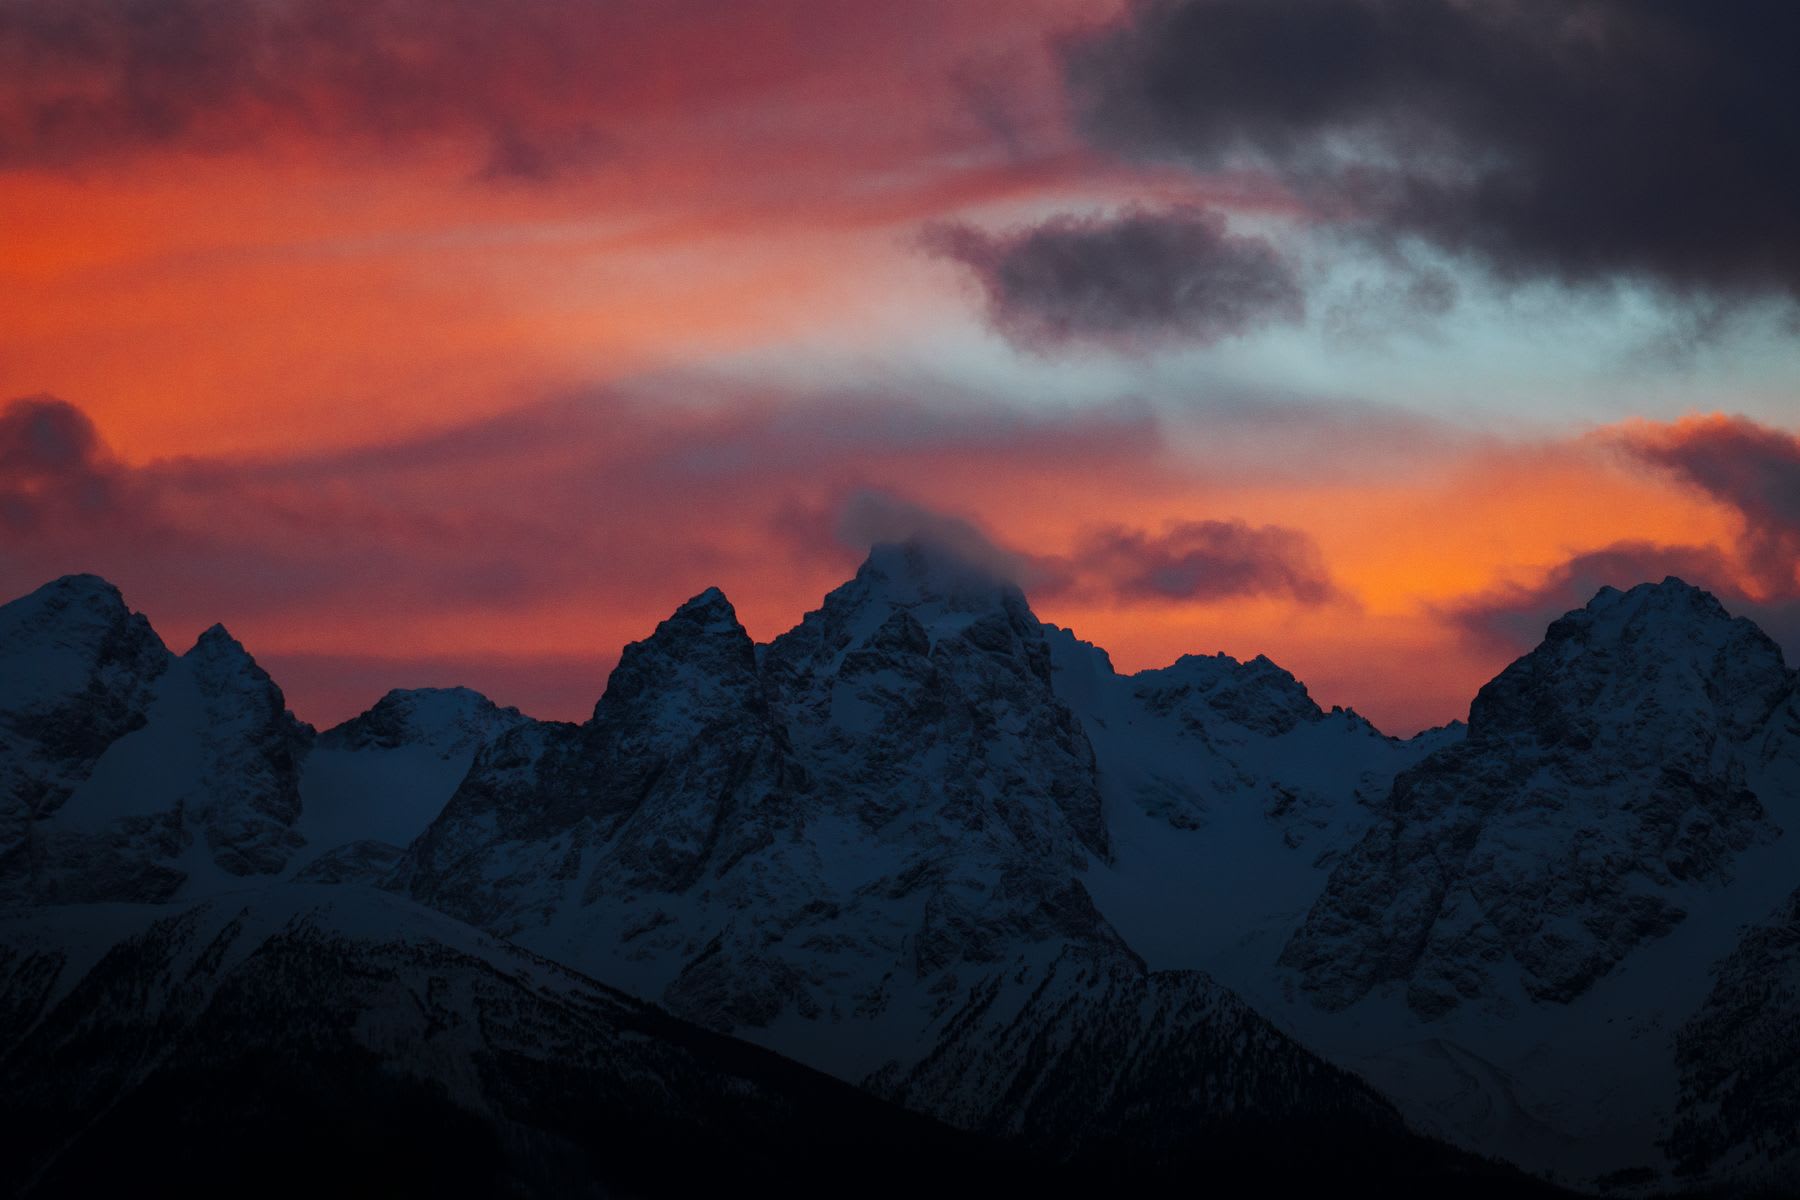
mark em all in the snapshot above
pixel 921 890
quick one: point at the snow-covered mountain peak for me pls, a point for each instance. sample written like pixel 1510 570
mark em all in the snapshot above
pixel 1257 695
pixel 1612 777
pixel 1665 650
pixel 710 610
pixel 946 596
pixel 78 672
pixel 447 720
pixel 927 840
pixel 72 599
pixel 217 645
pixel 1672 593
pixel 234 686
pixel 1658 615
pixel 697 659
pixel 56 641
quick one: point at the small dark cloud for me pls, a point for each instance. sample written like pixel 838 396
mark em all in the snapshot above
pixel 1207 561
pixel 53 465
pixel 1175 276
pixel 1752 468
pixel 1583 141
pixel 43 438
pixel 517 155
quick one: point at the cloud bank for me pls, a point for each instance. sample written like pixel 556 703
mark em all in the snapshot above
pixel 1580 141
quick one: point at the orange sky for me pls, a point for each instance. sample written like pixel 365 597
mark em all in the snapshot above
pixel 470 386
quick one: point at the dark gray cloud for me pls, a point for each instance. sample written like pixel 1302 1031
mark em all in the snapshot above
pixel 517 155
pixel 53 466
pixel 1142 277
pixel 1207 561
pixel 1752 468
pixel 1577 140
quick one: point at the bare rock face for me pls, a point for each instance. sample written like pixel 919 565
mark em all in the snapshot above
pixel 247 797
pixel 920 697
pixel 1604 775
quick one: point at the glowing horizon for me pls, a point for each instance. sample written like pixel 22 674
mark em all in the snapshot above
pixel 471 340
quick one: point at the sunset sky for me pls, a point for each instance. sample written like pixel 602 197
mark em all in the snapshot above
pixel 452 341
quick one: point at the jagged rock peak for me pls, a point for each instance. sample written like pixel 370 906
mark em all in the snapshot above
pixel 218 640
pixel 70 636
pixel 701 647
pixel 1603 776
pixel 1222 665
pixel 1257 694
pixel 708 619
pixel 1672 591
pixel 1671 604
pixel 1670 641
pixel 913 594
pixel 237 685
pixel 711 610
pixel 217 654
